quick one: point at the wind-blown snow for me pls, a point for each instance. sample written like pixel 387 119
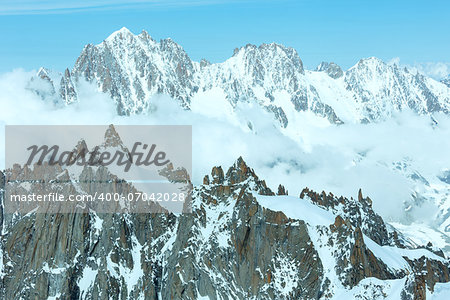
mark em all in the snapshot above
pixel 296 208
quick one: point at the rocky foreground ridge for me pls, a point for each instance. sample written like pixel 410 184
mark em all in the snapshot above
pixel 241 241
pixel 133 68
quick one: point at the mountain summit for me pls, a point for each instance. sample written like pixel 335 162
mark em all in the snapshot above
pixel 133 68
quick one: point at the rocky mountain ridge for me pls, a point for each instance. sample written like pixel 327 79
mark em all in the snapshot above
pixel 239 242
pixel 133 68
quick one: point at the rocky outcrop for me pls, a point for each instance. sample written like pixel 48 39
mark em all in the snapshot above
pixel 240 175
pixel 281 190
pixel 228 247
pixel 82 256
pixel 358 212
pixel 232 248
pixel 332 69
pixel 356 261
pixel 67 88
pixel 56 87
pixel 427 273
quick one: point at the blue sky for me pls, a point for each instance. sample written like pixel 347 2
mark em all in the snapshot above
pixel 52 33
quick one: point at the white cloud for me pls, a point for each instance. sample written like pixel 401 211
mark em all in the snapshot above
pixel 435 70
pixel 379 158
pixel 394 61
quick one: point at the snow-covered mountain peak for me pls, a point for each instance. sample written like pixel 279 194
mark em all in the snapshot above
pixel 269 54
pixel 270 74
pixel 124 37
pixel 133 68
pixel 373 65
pixel 43 72
pixel 382 89
pixel 121 33
pixel 370 61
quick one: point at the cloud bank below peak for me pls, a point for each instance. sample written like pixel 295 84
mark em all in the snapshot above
pixel 435 70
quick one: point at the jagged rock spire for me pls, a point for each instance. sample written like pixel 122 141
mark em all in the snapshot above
pixel 281 190
pixel 112 138
pixel 67 89
pixel 238 173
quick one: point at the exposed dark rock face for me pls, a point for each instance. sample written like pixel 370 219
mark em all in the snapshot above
pixel 281 190
pixel 356 256
pixel 229 247
pixel 241 174
pixel 428 273
pixel 332 69
pixel 43 85
pixel 48 254
pixel 67 89
pixel 279 114
pixel 243 255
pixel 359 213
